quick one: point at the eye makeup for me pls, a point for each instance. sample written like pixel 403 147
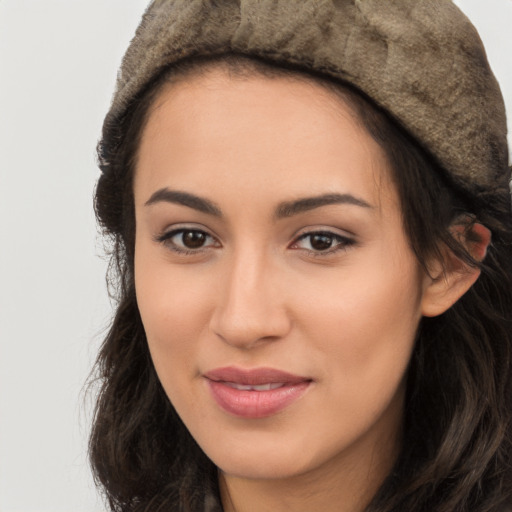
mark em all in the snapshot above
pixel 188 240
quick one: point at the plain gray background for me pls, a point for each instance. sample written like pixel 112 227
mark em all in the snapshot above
pixel 58 62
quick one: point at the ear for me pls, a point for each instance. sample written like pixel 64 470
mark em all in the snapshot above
pixel 451 278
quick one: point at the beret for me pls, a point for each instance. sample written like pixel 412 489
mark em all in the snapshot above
pixel 420 60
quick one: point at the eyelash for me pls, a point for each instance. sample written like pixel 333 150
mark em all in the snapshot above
pixel 166 240
pixel 342 243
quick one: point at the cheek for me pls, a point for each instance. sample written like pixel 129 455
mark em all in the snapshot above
pixel 364 325
pixel 173 312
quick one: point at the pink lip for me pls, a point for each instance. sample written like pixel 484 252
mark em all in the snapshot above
pixel 251 403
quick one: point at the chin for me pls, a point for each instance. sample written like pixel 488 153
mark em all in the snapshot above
pixel 261 468
pixel 265 459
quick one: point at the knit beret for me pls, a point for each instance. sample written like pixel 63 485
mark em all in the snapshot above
pixel 420 60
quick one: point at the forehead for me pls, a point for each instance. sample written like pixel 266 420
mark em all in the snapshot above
pixel 281 134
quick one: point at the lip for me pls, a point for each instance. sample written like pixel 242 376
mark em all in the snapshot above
pixel 252 403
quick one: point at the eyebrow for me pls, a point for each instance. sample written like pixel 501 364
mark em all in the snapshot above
pixel 184 198
pixel 283 210
pixel 290 208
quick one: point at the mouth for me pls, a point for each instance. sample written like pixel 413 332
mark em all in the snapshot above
pixel 261 387
pixel 255 393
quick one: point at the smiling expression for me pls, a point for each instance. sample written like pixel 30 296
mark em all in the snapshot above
pixel 276 286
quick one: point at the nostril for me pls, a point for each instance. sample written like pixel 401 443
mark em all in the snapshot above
pixel 247 332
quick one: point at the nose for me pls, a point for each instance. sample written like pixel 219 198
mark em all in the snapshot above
pixel 251 308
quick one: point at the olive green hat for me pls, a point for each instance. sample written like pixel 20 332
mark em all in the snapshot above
pixel 420 60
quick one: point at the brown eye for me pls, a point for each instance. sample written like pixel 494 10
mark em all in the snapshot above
pixel 193 239
pixel 321 242
pixel 187 240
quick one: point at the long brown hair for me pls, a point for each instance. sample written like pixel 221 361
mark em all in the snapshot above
pixel 457 449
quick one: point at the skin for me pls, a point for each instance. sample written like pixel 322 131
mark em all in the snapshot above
pixel 259 293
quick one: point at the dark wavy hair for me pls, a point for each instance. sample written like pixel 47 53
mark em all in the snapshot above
pixel 456 453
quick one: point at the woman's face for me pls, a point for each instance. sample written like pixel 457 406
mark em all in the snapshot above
pixel 277 288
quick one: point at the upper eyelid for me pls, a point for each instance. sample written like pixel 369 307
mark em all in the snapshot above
pixel 176 228
pixel 320 232
pixel 165 239
pixel 171 231
pixel 311 230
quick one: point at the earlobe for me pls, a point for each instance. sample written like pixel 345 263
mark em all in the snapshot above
pixel 450 279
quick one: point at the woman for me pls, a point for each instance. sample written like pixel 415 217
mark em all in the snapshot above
pixel 311 229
